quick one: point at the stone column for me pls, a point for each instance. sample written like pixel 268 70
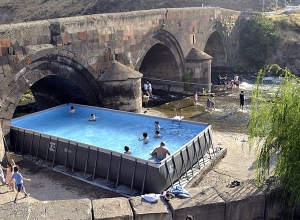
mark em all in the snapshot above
pixel 120 88
pixel 198 66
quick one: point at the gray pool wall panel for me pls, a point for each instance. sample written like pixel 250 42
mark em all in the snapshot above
pixel 121 168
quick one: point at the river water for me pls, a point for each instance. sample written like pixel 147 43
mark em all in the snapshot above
pixel 227 115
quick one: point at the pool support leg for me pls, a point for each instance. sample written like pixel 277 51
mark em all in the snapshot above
pixel 201 151
pixel 30 149
pixel 189 159
pixel 210 142
pixel 95 164
pixel 23 142
pixel 168 173
pixel 16 141
pixel 66 158
pixel 144 179
pixel 197 155
pixel 56 147
pixel 74 159
pixel 133 175
pixel 173 161
pixel 187 177
pixel 37 150
pixel 108 169
pixel 86 161
pixel 119 171
pixel 47 151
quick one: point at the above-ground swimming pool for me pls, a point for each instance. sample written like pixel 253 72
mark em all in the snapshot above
pixel 98 146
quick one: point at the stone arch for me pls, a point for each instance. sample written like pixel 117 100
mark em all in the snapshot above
pixel 215 45
pixel 164 39
pixel 42 64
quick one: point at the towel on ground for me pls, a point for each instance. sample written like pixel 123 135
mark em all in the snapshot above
pixel 152 197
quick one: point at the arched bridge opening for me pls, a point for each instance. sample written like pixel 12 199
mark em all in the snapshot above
pixel 163 62
pixel 160 63
pixel 55 80
pixel 215 48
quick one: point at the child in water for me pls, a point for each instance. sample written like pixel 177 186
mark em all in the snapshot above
pixel 157 134
pixel 145 138
pixel 157 126
pixel 92 118
pixel 72 110
pixel 127 150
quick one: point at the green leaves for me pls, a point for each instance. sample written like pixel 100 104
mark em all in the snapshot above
pixel 275 127
pixel 257 39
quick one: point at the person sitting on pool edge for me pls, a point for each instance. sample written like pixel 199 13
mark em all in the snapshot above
pixel 92 118
pixel 157 134
pixel 160 152
pixel 72 110
pixel 157 126
pixel 145 138
pixel 127 150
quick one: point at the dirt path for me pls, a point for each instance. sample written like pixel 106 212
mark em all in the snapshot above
pixel 49 185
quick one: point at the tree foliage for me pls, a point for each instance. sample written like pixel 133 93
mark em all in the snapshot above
pixel 274 127
pixel 257 39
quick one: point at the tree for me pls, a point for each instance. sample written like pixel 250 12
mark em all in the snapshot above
pixel 257 39
pixel 274 127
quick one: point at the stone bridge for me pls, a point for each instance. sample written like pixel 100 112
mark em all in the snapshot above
pixel 64 60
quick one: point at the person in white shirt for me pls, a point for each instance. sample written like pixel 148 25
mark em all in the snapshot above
pixel 145 88
pixel 150 89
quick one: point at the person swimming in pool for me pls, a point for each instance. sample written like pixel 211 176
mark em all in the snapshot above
pixel 127 150
pixel 72 110
pixel 160 152
pixel 157 126
pixel 145 138
pixel 93 117
pixel 157 134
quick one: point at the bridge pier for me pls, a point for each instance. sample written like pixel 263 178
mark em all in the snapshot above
pixel 198 65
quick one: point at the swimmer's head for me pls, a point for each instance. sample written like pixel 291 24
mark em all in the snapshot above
pixel 157 132
pixel 145 135
pixel 162 143
pixel 156 122
pixel 126 148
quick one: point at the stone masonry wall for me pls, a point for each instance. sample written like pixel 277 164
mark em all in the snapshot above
pixel 244 202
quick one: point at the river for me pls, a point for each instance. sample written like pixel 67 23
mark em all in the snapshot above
pixel 227 115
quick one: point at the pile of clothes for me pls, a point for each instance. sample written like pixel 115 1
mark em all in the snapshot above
pixel 233 184
pixel 176 191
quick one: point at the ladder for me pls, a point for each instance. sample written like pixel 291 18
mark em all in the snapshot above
pixel 177 117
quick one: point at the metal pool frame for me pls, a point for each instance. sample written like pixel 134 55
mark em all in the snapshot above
pixel 137 173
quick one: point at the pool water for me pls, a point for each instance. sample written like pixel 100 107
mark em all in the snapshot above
pixel 112 130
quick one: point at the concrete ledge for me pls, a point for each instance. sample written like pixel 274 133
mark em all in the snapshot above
pixel 208 167
pixel 112 208
pixel 243 202
pixel 18 211
pixel 62 209
pixel 204 204
pixel 144 210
